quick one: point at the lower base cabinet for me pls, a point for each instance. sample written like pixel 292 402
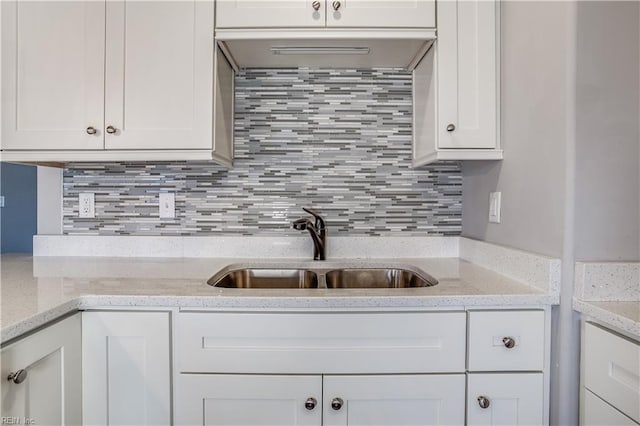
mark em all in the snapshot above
pixel 44 371
pixel 249 400
pixel 505 399
pixel 127 368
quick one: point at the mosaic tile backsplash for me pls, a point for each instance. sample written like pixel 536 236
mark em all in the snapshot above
pixel 338 141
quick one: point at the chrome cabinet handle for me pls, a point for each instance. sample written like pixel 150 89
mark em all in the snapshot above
pixel 111 130
pixel 483 402
pixel 315 5
pixel 336 403
pixel 336 5
pixel 509 342
pixel 451 127
pixel 310 403
pixel 18 376
pixel 91 130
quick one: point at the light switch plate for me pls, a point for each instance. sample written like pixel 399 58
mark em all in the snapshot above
pixel 495 199
pixel 167 205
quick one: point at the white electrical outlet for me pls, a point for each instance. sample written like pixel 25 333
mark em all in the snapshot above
pixel 167 205
pixel 86 201
pixel 495 201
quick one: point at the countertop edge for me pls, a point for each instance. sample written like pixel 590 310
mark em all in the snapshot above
pixel 191 303
pixel 608 318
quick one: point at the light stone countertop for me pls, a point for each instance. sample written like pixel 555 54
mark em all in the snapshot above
pixel 623 316
pixel 36 290
pixel 609 293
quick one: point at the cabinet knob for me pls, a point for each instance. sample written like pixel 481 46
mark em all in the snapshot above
pixel 91 130
pixel 310 403
pixel 17 377
pixel 111 130
pixel 315 5
pixel 336 5
pixel 451 127
pixel 509 342
pixel 336 403
pixel 483 402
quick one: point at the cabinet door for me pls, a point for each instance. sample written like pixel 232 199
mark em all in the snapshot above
pixel 248 400
pixel 51 393
pixel 513 399
pixel 394 400
pixel 52 75
pixel 467 74
pixel 127 378
pixel 596 412
pixel 159 68
pixel 272 13
pixel 381 13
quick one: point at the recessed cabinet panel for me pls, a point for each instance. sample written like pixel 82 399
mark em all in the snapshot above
pixel 394 400
pixel 159 75
pixel 505 399
pixel 270 13
pixel 49 390
pixel 127 378
pixel 249 400
pixel 467 74
pixel 52 75
pixel 381 13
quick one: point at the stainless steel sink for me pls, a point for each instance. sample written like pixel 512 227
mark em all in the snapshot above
pixel 323 276
pixel 266 278
pixel 377 278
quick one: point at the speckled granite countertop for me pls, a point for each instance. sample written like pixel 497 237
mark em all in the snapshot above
pixel 37 290
pixel 609 293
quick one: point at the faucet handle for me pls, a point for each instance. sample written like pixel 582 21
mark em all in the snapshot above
pixel 319 219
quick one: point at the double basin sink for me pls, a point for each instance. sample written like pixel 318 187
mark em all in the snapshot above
pixel 330 278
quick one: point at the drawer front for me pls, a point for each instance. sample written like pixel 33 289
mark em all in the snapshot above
pixel 596 412
pixel 488 349
pixel 611 369
pixel 300 343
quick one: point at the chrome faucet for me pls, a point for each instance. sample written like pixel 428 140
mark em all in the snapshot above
pixel 318 232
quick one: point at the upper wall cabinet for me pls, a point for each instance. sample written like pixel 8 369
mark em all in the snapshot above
pixel 456 86
pixel 126 80
pixel 329 13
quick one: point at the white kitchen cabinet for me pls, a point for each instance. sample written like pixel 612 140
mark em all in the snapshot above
pixel 49 388
pixel 321 13
pixel 52 75
pixel 126 80
pixel 419 399
pixel 236 399
pixel 249 400
pixel 505 399
pixel 596 412
pixel 127 366
pixel 456 86
pixel 610 372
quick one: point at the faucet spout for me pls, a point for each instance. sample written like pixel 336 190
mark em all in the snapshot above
pixel 317 231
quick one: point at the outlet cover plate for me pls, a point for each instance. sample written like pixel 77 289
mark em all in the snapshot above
pixel 86 205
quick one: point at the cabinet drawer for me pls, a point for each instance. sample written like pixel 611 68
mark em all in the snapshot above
pixel 611 369
pixel 299 343
pixel 488 349
pixel 596 412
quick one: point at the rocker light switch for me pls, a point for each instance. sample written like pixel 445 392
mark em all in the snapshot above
pixel 494 207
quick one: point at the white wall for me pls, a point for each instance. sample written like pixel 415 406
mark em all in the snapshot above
pixel 607 216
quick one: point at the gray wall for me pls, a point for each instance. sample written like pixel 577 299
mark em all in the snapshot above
pixel 533 99
pixel 607 216
pixel 18 218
